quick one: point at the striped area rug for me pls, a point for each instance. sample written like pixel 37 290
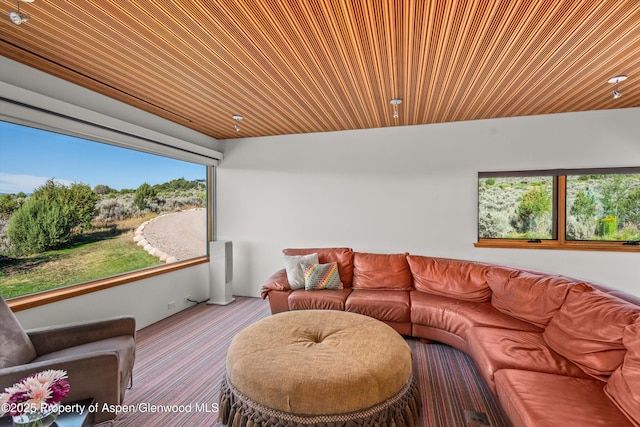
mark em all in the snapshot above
pixel 180 362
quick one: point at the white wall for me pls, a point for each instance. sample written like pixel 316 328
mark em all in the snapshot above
pixel 409 189
pixel 146 299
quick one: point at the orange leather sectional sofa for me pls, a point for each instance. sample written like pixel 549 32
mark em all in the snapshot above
pixel 555 351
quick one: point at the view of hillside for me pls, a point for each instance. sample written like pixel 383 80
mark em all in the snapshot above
pixel 61 235
pixel 599 207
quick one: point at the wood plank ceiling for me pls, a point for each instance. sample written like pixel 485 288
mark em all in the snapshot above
pixel 299 66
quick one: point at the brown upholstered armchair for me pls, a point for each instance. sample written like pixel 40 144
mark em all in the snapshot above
pixel 98 356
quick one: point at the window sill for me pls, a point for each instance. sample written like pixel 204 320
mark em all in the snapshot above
pixel 41 298
pixel 556 245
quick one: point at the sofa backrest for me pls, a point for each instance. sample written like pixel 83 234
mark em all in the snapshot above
pixel 466 280
pixel 342 256
pixel 529 296
pixel 381 271
pixel 588 330
pixel 623 386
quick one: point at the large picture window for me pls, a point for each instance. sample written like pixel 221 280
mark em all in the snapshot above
pixel 560 209
pixel 74 211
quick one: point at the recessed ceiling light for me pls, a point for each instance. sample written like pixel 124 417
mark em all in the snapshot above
pixel 19 17
pixel 237 118
pixel 395 102
pixel 617 79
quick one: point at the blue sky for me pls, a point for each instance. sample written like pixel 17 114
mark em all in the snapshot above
pixel 28 157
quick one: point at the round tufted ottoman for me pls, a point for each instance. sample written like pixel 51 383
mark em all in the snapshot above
pixel 318 367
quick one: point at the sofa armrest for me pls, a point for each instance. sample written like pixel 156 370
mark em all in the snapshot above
pixel 53 338
pixel 277 282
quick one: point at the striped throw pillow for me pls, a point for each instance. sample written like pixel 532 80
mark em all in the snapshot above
pixel 321 276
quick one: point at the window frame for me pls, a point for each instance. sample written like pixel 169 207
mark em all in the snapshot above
pixel 559 214
pixel 47 120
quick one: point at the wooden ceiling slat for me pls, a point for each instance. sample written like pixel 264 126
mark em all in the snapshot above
pixel 553 89
pixel 299 66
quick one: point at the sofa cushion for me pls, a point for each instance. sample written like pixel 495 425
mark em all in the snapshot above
pixel 493 349
pixel 321 276
pixel 327 299
pixel 381 271
pixel 293 266
pixel 15 346
pixel 623 386
pixel 390 306
pixel 588 330
pixel 457 316
pixel 530 296
pixel 546 400
pixel 343 256
pixel 464 280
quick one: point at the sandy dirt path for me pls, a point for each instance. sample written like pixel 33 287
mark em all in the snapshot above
pixel 181 235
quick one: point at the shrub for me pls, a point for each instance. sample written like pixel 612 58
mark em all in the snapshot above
pixel 607 226
pixel 143 196
pixel 577 230
pixel 630 208
pixel 39 225
pixel 493 225
pixel 533 204
pixel 110 210
pixel 103 189
pixel 77 199
pixel 584 206
pixel 5 243
pixel 8 205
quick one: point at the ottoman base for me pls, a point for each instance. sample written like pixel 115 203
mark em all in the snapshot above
pixel 400 410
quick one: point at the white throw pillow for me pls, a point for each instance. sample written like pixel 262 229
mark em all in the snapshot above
pixel 293 265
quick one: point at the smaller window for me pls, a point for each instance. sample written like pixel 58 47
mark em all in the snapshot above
pixel 590 209
pixel 603 207
pixel 519 207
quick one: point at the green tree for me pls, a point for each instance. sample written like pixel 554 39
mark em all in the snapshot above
pixel 39 225
pixel 45 220
pixel 584 207
pixel 78 199
pixel 102 189
pixel 143 195
pixel 612 194
pixel 8 205
pixel 82 202
pixel 630 208
pixel 533 204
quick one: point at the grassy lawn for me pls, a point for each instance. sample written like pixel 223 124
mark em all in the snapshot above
pixel 98 254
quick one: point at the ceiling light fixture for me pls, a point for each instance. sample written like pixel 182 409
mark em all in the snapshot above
pixel 19 17
pixel 237 118
pixel 617 79
pixel 395 102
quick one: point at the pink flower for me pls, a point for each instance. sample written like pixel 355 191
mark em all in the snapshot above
pixel 59 390
pixel 35 392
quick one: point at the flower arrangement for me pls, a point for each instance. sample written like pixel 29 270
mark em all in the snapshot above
pixel 37 393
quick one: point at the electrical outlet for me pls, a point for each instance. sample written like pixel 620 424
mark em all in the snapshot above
pixel 475 417
pixel 187 298
pixel 171 305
